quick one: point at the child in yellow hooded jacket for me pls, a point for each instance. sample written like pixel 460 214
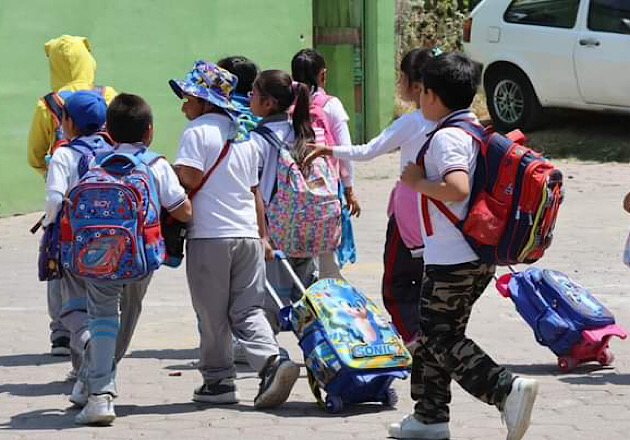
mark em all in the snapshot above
pixel 72 68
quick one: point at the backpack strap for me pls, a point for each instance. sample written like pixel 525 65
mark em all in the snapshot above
pixel 320 99
pixel 204 179
pixel 54 104
pixel 270 137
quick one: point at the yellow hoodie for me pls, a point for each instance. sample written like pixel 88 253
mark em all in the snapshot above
pixel 72 68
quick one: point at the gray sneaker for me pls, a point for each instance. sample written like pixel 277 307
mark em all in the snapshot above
pixel 277 380
pixel 99 410
pixel 517 410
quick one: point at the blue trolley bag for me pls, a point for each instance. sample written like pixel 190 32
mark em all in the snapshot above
pixel 350 350
pixel 564 316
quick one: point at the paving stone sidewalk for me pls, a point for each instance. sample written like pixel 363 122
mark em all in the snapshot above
pixel 156 379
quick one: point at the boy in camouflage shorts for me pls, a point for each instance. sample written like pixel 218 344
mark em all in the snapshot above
pixel 454 277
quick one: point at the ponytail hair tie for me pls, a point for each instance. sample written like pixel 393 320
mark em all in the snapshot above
pixel 436 51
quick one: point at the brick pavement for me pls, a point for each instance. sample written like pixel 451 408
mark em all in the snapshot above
pixel 590 403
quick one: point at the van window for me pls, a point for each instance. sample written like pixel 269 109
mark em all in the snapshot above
pixel 553 13
pixel 609 16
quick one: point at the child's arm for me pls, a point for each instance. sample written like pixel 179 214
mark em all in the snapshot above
pixel 454 187
pixel 626 202
pixel 262 226
pixel 189 177
pixel 183 212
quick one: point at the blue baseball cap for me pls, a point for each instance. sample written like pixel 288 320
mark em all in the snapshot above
pixel 87 109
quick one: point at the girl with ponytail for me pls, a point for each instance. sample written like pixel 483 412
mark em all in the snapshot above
pixel 283 106
pixel 402 275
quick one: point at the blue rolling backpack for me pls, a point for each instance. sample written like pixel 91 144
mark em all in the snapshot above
pixel 564 316
pixel 351 351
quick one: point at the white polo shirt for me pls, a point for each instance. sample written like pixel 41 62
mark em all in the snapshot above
pixel 451 149
pixel 225 206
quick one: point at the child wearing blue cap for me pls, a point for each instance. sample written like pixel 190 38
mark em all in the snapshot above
pixel 225 257
pixel 84 115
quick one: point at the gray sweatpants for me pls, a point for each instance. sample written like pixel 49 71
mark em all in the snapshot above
pixel 74 314
pixel 226 277
pixel 53 293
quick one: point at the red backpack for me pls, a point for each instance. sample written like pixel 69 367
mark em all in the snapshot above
pixel 514 201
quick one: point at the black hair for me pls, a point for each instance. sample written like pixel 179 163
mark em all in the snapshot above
pixel 278 85
pixel 244 69
pixel 306 65
pixel 128 118
pixel 414 61
pixel 454 78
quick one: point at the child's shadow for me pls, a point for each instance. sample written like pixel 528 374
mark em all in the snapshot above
pixel 36 389
pixel 28 359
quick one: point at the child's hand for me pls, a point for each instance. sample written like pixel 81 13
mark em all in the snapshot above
pixel 412 174
pixel 317 150
pixel 268 249
pixel 353 203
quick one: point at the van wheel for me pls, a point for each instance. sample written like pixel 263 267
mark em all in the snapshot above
pixel 511 100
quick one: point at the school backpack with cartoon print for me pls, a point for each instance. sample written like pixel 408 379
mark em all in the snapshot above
pixel 514 200
pixel 54 102
pixel 110 230
pixel 304 213
pixel 49 261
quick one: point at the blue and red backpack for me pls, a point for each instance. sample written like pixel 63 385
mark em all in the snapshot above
pixel 110 231
pixel 514 200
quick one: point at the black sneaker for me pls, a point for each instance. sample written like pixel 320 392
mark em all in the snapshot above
pixel 221 391
pixel 277 380
pixel 60 346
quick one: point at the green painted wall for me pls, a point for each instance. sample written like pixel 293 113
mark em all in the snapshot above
pixel 379 65
pixel 138 45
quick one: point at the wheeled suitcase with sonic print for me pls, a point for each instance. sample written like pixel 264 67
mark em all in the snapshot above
pixel 351 351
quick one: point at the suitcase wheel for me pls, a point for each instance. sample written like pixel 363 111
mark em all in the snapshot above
pixel 391 398
pixel 334 404
pixel 567 363
pixel 606 357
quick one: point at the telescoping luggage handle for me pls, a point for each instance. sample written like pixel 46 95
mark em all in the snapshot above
pixel 282 258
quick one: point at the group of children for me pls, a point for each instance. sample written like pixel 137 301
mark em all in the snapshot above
pixel 432 277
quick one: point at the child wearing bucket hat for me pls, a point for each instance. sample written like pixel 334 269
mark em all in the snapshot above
pixel 225 265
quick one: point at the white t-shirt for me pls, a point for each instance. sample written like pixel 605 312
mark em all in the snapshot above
pixel 451 149
pixel 62 175
pixel 225 206
pixel 338 119
pixel 268 155
pixel 407 132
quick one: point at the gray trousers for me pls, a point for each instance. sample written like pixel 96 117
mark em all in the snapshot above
pixel 226 277
pixel 74 314
pixel 53 293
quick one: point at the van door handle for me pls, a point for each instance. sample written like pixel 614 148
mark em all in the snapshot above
pixel 589 42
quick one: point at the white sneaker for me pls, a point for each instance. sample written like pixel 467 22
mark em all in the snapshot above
pixel 99 410
pixel 79 396
pixel 410 427
pixel 517 410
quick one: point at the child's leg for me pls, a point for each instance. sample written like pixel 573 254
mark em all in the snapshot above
pixel 247 296
pixel 328 267
pixel 208 267
pixel 57 330
pixel 402 282
pixel 103 309
pixel 74 315
pixel 130 309
pixel 448 294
